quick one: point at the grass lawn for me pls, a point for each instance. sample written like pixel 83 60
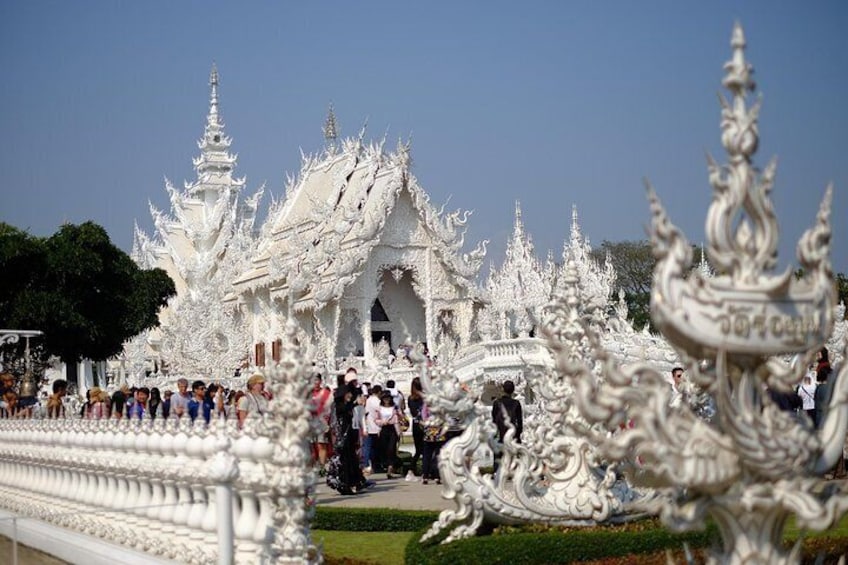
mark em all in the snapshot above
pixel 379 548
pixel 387 548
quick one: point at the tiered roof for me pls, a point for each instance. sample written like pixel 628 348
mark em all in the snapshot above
pixel 316 242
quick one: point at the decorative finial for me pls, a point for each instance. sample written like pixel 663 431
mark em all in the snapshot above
pixel 213 97
pixel 331 130
pixel 575 225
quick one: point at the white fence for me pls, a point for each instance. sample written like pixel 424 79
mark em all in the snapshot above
pixel 170 489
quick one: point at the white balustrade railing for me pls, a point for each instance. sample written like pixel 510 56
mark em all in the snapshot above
pixel 172 489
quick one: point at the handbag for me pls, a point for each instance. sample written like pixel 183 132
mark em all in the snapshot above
pixel 403 421
pixel 434 433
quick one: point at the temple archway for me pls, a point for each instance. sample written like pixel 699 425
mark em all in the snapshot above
pixel 405 320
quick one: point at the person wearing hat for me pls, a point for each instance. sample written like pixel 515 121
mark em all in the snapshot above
pixel 254 401
pixel 97 406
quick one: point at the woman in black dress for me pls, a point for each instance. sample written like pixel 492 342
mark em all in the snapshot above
pixel 343 471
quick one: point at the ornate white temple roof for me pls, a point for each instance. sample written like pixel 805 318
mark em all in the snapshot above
pixel 316 242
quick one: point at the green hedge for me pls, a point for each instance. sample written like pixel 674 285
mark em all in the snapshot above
pixel 372 519
pixel 536 544
pixel 556 545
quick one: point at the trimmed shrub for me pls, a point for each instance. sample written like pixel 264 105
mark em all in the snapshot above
pixel 511 545
pixel 372 519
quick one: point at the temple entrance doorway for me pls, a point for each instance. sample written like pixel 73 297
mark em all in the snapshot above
pixel 403 322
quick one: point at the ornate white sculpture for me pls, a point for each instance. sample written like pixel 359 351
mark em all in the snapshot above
pixel 520 286
pixel 204 244
pixel 755 466
pixel 495 358
pixel 289 471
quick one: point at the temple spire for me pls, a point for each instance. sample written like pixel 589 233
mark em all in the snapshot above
pixel 331 129
pixel 213 96
pixel 575 226
pixel 215 164
pixel 518 231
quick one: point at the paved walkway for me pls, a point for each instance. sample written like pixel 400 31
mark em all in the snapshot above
pixel 394 493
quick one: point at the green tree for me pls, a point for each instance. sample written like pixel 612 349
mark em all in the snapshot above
pixel 841 282
pixel 634 266
pixel 85 294
pixel 842 289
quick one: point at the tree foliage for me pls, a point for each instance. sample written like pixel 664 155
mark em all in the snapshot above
pixel 85 294
pixel 634 266
pixel 842 288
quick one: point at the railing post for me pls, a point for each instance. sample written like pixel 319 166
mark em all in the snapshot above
pixel 224 470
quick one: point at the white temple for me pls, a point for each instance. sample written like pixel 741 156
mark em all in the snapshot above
pixel 365 264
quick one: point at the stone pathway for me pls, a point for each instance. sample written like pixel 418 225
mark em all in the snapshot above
pixel 394 493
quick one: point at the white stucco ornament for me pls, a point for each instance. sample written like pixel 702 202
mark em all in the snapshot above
pixel 754 466
pixel 553 476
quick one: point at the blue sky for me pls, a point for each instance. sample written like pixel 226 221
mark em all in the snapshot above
pixel 553 103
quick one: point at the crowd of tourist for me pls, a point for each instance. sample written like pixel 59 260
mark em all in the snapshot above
pixel 201 401
pixel 360 425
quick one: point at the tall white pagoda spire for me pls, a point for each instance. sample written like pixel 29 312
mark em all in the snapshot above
pixel 203 243
pixel 215 164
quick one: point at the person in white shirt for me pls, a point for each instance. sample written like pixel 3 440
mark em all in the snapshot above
pixel 179 401
pixel 255 401
pixel 807 392
pixel 372 428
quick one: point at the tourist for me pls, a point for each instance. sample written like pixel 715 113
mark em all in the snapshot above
pixel 319 409
pixel 387 420
pixel 372 406
pixel 214 397
pixel 416 403
pixel 676 383
pixel 343 471
pixel 129 393
pixel 397 396
pixel 199 405
pixel 9 403
pixel 822 394
pixel 98 404
pixel 506 408
pixel 359 426
pixel 7 381
pixel 179 401
pixel 433 440
pixel 140 408
pixel 232 406
pixel 824 390
pixel 155 403
pixel 8 396
pixel 55 404
pixel 85 405
pixel 807 393
pixel 254 401
pixel 166 404
pixel 119 400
